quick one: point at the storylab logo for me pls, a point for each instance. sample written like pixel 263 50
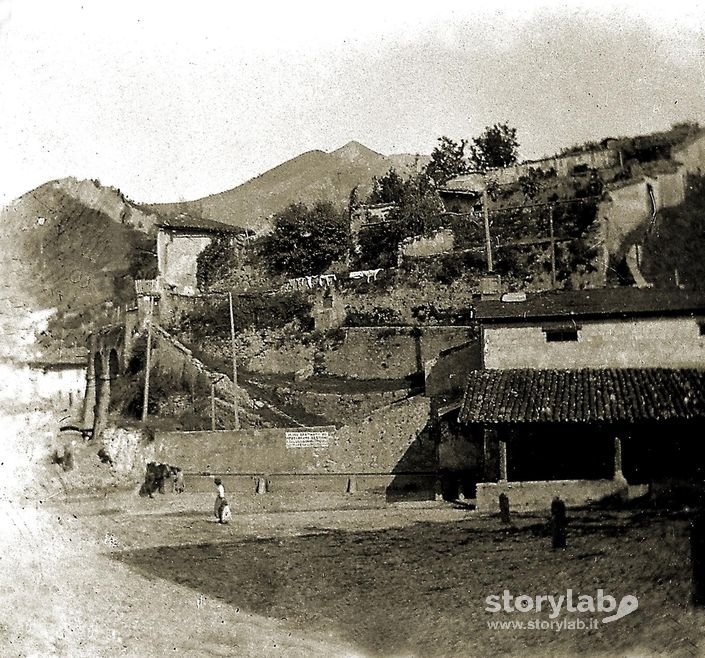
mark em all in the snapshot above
pixel 559 606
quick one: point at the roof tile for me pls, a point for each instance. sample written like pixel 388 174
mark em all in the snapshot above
pixel 587 395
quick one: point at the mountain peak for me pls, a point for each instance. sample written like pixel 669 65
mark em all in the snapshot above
pixel 355 151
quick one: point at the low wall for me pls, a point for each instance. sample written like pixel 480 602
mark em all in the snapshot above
pixel 563 165
pixel 305 485
pixel 537 496
pixel 390 440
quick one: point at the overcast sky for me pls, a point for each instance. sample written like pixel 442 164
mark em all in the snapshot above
pixel 177 100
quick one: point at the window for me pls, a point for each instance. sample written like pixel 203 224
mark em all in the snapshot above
pixel 561 335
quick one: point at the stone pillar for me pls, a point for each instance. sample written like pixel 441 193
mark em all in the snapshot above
pixel 618 475
pixel 89 400
pixel 502 460
pixel 102 404
pixel 485 456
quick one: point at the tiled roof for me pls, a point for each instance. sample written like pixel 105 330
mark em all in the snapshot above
pixel 473 182
pixel 583 396
pixel 599 302
pixel 186 223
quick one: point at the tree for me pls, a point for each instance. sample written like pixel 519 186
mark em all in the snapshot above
pixel 305 241
pixel 387 189
pixel 419 208
pixel 448 160
pixel 496 147
pixel 417 212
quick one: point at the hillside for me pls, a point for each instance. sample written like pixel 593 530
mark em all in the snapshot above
pixel 308 177
pixel 70 245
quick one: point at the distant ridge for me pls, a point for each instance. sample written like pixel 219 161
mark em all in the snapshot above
pixel 311 176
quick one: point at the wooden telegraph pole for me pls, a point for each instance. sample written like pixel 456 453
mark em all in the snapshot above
pixel 148 359
pixel 553 247
pixel 212 406
pixel 232 342
pixel 488 241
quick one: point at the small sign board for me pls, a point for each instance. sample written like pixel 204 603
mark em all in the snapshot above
pixel 307 439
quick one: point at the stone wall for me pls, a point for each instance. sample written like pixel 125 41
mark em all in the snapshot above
pixel 692 155
pixel 172 308
pixel 441 242
pixel 624 210
pixel 391 352
pixel 669 188
pixel 342 408
pixel 390 440
pixel 563 165
pixel 537 496
pixel 630 206
pixel 647 343
pixel 171 357
pixel 445 375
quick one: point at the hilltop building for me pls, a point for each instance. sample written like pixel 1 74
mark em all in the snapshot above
pixel 179 242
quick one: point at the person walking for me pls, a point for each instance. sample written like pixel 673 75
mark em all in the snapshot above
pixel 219 497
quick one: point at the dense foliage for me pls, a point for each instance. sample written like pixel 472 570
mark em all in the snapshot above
pixel 215 261
pixel 448 160
pixel 249 311
pixel 306 240
pixel 497 146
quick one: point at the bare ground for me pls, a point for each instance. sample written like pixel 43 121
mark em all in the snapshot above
pixel 115 574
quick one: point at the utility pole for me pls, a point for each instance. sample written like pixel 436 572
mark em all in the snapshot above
pixel 213 406
pixel 232 342
pixel 488 240
pixel 553 247
pixel 148 359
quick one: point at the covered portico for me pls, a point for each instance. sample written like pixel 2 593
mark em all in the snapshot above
pixel 582 434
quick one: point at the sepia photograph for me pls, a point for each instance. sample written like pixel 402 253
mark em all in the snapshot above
pixel 363 330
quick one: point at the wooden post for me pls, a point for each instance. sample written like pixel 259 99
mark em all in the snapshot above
pixel 553 247
pixel 504 514
pixel 502 460
pixel 232 342
pixel 558 523
pixel 488 239
pixel 148 361
pixel 213 406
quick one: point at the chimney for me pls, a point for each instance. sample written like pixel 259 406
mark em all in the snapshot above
pixel 490 286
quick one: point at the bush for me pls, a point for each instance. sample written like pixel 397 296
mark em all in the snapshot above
pixel 378 316
pixel 216 261
pixel 250 310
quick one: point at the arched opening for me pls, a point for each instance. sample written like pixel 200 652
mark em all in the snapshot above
pixel 113 364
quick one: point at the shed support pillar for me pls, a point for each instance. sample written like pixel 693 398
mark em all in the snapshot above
pixel 503 460
pixel 618 475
